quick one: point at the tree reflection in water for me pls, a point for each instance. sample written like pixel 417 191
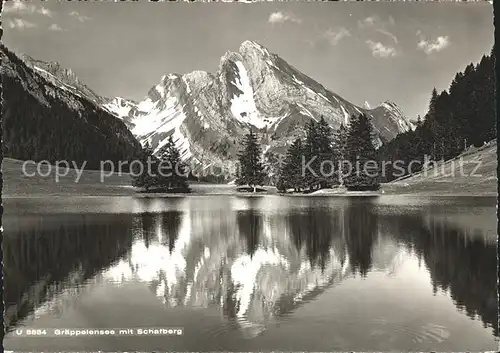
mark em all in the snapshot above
pixel 255 263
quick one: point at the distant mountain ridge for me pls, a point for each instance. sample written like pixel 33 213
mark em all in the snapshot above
pixel 63 77
pixel 208 113
pixel 45 117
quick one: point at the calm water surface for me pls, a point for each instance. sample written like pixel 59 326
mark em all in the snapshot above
pixel 254 273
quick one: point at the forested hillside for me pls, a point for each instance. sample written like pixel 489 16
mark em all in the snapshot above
pixel 42 120
pixel 457 118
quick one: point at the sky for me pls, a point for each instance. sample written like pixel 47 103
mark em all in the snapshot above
pixel 362 51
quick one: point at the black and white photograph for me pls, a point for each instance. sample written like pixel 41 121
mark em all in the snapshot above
pixel 238 176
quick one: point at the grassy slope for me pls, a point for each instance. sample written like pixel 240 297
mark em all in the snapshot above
pixel 446 177
pixel 17 184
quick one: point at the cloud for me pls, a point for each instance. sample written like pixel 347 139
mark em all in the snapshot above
pixel 55 27
pixel 17 7
pixel 374 22
pixel 368 22
pixel 20 24
pixel 381 26
pixel 437 45
pixel 21 7
pixel 280 17
pixel 381 51
pixel 79 17
pixel 389 34
pixel 44 11
pixel 335 36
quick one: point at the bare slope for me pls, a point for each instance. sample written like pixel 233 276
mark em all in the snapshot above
pixel 17 184
pixel 472 172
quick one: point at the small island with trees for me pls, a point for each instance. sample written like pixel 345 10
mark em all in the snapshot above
pixel 164 174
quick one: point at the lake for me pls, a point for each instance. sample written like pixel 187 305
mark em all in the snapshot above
pixel 262 273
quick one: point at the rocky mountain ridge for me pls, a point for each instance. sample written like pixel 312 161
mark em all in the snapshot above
pixel 208 113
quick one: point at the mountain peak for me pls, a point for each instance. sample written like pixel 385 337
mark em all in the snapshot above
pixel 207 112
pixel 253 46
pixel 250 43
pixel 389 103
pixel 52 67
pixel 404 123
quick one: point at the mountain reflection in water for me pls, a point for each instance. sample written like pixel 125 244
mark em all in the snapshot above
pixel 256 260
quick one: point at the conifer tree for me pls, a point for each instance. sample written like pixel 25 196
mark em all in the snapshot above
pixel 310 156
pixel 271 168
pixel 326 157
pixel 142 175
pixel 291 172
pixel 174 173
pixel 318 152
pixel 251 167
pixel 340 143
pixel 361 154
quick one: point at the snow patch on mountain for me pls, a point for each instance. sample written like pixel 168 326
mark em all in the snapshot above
pixel 119 106
pixel 146 105
pixel 270 63
pixel 323 96
pixel 302 84
pixel 159 119
pixel 200 116
pixel 188 89
pixel 166 120
pixel 162 114
pixel 346 115
pixel 181 142
pixel 306 111
pixel 161 90
pixel 273 122
pixel 243 105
